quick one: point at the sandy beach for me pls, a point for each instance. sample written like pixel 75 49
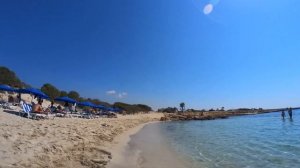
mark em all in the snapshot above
pixel 64 142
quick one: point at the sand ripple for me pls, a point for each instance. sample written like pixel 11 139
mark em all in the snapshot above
pixel 62 142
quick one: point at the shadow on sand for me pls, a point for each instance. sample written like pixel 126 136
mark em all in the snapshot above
pixel 13 112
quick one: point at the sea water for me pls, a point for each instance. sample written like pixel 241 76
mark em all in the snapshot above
pixel 263 140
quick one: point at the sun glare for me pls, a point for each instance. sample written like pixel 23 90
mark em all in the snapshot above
pixel 208 9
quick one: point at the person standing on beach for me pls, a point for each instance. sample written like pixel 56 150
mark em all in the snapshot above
pixel 282 114
pixel 290 111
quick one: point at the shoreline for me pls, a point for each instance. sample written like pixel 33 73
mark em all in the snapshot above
pixel 212 115
pixel 145 146
pixel 76 142
pixel 120 143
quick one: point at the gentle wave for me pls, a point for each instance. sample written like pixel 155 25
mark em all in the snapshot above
pixel 247 141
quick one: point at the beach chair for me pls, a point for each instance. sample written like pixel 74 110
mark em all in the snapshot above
pixel 27 110
pixel 1 104
pixel 76 115
pixel 87 115
pixel 7 106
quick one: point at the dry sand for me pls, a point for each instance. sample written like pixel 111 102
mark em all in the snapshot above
pixel 63 142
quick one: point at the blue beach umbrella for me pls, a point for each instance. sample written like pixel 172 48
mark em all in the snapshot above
pixel 100 107
pixel 7 88
pixel 111 109
pixel 35 92
pixel 66 99
pixel 88 104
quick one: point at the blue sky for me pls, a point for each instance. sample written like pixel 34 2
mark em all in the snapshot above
pixel 207 54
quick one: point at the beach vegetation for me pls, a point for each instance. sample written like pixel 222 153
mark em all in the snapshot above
pixel 74 95
pixel 50 90
pixel 99 102
pixel 8 77
pixel 63 93
pixel 182 106
pixel 168 110
pixel 132 108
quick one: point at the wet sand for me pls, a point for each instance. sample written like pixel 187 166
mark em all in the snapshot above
pixel 146 149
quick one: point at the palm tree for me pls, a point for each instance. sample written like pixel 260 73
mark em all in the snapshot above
pixel 182 106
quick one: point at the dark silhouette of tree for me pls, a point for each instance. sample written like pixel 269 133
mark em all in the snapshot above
pixel 82 99
pixel 63 93
pixel 132 108
pixel 9 77
pixel 168 110
pixel 74 95
pixel 182 106
pixel 99 102
pixel 144 107
pixel 50 90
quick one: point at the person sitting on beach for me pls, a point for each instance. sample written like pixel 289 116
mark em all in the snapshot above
pixel 60 112
pixel 73 107
pixel 52 107
pixel 37 108
pixel 59 109
pixel 66 107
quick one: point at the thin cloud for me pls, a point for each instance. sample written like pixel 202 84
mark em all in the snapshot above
pixel 116 94
pixel 111 92
pixel 122 95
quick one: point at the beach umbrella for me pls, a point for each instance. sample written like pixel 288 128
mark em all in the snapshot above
pixel 7 88
pixel 66 99
pixel 111 109
pixel 100 107
pixel 88 104
pixel 35 92
pixel 117 109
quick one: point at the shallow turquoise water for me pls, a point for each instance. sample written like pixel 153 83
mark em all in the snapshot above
pixel 263 140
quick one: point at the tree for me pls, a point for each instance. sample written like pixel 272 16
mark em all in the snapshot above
pixel 99 102
pixel 144 107
pixel 74 95
pixel 222 109
pixel 168 110
pixel 132 108
pixel 81 99
pixel 9 77
pixel 63 93
pixel 182 106
pixel 50 90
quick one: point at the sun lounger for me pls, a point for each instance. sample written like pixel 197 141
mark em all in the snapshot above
pixel 87 115
pixel 8 106
pixel 27 110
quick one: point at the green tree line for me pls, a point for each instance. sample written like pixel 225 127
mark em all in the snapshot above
pixel 9 77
